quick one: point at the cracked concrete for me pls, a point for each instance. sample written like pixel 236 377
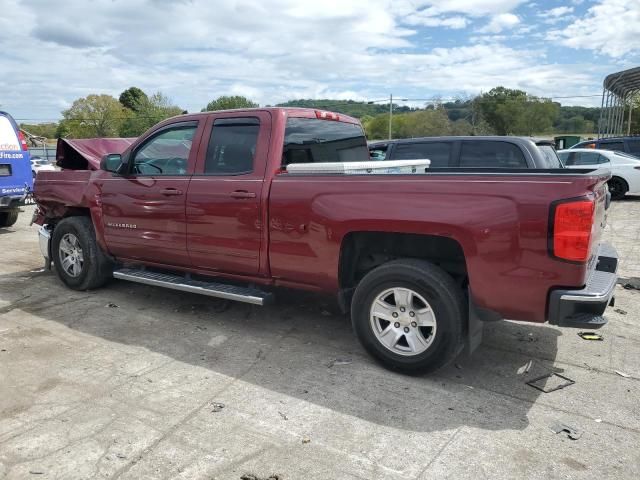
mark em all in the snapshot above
pixel 93 391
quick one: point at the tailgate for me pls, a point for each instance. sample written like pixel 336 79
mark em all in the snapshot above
pixel 602 203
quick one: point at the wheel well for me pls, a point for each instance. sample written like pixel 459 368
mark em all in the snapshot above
pixel 67 212
pixel 363 251
pixel 626 184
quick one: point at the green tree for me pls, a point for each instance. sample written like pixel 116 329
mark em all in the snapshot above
pixel 150 110
pixel 229 103
pixel 132 98
pixel 500 106
pixel 93 116
pixel 46 130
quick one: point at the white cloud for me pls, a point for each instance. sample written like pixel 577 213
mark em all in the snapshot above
pixel 268 50
pixel 611 27
pixel 500 22
pixel 556 12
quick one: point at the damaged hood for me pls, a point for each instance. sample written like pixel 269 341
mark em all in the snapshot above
pixel 86 153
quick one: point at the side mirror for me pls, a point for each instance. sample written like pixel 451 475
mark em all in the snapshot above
pixel 111 162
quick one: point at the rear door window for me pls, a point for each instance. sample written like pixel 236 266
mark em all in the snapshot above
pixel 491 154
pixel 438 152
pixel 8 138
pixel 634 147
pixel 232 146
pixel 615 146
pixel 311 140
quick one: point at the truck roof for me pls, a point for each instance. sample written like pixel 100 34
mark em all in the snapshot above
pixel 450 138
pixel 288 111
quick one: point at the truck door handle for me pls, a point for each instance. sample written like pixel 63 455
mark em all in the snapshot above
pixel 170 191
pixel 242 194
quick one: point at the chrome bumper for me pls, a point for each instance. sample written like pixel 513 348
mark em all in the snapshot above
pixel 44 239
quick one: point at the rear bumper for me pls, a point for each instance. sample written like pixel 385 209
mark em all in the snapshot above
pixel 584 308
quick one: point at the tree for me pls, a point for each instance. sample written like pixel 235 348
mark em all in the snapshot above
pixel 132 98
pixel 149 111
pixel 46 130
pixel 93 116
pixel 499 107
pixel 229 103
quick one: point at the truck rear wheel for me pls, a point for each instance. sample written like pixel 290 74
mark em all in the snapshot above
pixel 78 259
pixel 409 314
pixel 9 218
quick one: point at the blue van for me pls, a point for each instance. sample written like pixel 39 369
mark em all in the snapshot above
pixel 16 179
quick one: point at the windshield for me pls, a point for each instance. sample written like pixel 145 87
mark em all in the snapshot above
pixel 310 140
pixel 550 157
pixel 8 137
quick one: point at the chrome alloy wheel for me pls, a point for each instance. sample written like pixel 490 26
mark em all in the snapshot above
pixel 71 255
pixel 403 321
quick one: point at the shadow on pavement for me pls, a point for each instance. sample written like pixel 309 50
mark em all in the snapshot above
pixel 291 348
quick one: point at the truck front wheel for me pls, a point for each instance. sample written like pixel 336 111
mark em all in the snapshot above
pixel 409 314
pixel 79 261
pixel 9 218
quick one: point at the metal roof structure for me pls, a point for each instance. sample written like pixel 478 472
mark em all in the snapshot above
pixel 619 88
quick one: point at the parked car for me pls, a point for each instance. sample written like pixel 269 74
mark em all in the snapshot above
pixel 204 203
pixel 470 152
pixel 629 145
pixel 15 175
pixel 625 168
pixel 39 164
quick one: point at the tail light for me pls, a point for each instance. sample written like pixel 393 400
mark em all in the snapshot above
pixel 572 223
pixel 23 141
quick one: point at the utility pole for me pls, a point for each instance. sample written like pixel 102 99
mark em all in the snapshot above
pixel 390 113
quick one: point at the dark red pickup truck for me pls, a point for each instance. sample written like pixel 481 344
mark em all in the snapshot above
pixel 204 203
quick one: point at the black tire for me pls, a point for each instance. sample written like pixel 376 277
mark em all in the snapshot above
pixel 443 295
pixel 96 270
pixel 7 219
pixel 618 188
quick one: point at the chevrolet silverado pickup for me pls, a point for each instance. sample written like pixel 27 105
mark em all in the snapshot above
pixel 204 203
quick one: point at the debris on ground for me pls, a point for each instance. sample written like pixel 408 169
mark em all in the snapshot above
pixel 216 407
pixel 119 455
pixel 306 440
pixel 458 366
pixel 36 472
pixel 530 337
pixel 590 336
pixel 525 368
pixel 631 283
pixel 550 382
pixel 326 313
pixel 339 361
pixel 598 420
pixel 251 476
pixel 111 305
pixel 572 433
pixel 622 374
pixel 284 416
pixel 620 311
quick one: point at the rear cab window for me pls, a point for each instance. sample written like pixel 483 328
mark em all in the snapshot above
pixel 438 152
pixel 313 140
pixel 615 146
pixel 491 154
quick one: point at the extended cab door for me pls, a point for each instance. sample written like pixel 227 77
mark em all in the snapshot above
pixel 225 224
pixel 144 208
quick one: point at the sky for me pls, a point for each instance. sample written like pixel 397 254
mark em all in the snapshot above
pixel 277 50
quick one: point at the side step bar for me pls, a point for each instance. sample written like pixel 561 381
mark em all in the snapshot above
pixel 185 284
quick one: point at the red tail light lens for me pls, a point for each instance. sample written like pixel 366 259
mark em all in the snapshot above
pixel 572 225
pixel 23 141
